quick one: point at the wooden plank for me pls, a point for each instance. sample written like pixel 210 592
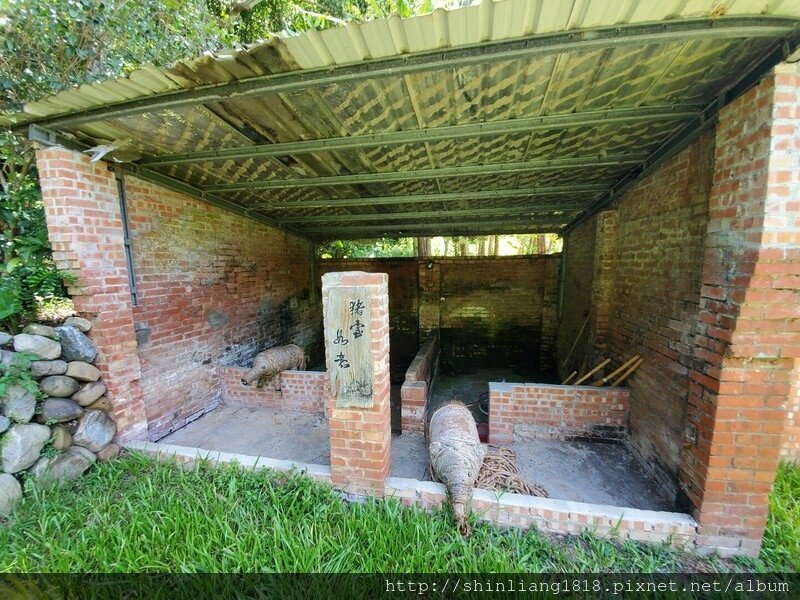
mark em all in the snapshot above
pixel 592 372
pixel 627 373
pixel 569 378
pixel 348 339
pixel 610 376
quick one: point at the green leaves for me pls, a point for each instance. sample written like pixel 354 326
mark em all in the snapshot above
pixel 51 45
pixel 13 264
pixel 9 302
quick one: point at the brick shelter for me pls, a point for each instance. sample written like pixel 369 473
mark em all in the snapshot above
pixel 664 151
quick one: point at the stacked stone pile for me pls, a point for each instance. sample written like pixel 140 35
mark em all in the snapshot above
pixel 56 432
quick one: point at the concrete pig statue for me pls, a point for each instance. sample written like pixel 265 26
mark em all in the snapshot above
pixel 270 363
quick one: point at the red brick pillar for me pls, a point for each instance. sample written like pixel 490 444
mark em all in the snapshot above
pixel 361 436
pixel 83 221
pixel 747 340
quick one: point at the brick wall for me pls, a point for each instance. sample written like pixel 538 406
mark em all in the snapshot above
pixel 572 350
pixel 635 271
pixel 535 410
pixel 705 287
pixel 403 305
pixel 658 261
pixel 748 334
pixel 214 289
pixel 85 229
pixel 416 390
pixel 497 311
pixel 305 391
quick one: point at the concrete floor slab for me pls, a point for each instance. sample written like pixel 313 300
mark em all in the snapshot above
pixel 259 432
pixel 593 472
pixel 409 456
pixel 286 435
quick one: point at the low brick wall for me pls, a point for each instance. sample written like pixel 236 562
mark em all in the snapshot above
pixel 556 411
pixel 416 389
pixel 554 516
pixel 305 391
pixel 507 510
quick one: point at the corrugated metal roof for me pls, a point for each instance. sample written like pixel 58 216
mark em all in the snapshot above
pixel 591 67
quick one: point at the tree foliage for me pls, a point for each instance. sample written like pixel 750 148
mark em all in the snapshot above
pixel 269 16
pixel 524 244
pixel 52 45
pixel 380 248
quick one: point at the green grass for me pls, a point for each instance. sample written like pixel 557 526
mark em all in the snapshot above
pixel 781 548
pixel 135 514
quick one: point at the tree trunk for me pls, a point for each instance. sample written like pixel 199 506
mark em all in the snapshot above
pixel 541 246
pixel 423 247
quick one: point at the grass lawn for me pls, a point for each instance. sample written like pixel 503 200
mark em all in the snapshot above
pixel 134 514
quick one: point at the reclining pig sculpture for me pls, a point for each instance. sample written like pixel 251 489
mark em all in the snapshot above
pixel 270 363
pixel 456 456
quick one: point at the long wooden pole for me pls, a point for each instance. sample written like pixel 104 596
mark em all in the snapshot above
pixel 575 343
pixel 569 378
pixel 627 373
pixel 592 372
pixel 610 376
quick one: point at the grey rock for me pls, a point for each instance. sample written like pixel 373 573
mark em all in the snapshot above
pixel 19 404
pixel 43 368
pixel 10 493
pixel 79 323
pixel 59 386
pixel 37 329
pixel 75 345
pixel 109 452
pixel 5 423
pixel 5 338
pixel 61 437
pixel 89 393
pixel 102 403
pixel 9 358
pixel 66 466
pixel 41 347
pixel 22 445
pixel 83 371
pixel 95 430
pixel 59 410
